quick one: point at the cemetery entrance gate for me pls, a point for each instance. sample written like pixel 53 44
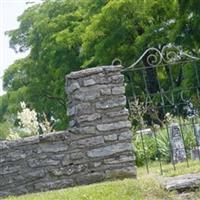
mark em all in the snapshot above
pixel 163 98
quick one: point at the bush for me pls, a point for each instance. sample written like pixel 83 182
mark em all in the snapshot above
pixel 145 149
pixel 28 123
pixel 151 150
pixel 5 128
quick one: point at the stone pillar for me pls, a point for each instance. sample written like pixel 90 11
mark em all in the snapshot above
pixel 96 106
pixel 177 145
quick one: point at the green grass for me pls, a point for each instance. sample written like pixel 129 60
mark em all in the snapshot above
pixel 128 189
pixel 168 169
pixel 144 188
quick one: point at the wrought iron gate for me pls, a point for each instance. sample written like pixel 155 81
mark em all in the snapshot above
pixel 163 94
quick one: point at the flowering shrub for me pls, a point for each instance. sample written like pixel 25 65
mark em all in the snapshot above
pixel 28 120
pixel 45 125
pixel 29 123
pixel 13 135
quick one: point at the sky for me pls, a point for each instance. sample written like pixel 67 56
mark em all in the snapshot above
pixel 9 11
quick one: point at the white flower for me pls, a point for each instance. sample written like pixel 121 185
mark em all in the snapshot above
pixel 167 115
pixel 29 122
pixel 28 119
pixel 23 105
pixel 12 135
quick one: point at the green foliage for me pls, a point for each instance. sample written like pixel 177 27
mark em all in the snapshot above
pixel 48 30
pixel 145 149
pixel 153 148
pixel 188 28
pixel 5 128
pixel 65 35
pixel 113 32
pixel 164 145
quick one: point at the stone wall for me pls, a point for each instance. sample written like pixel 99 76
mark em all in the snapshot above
pixel 97 147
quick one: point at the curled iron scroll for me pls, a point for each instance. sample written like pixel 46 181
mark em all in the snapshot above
pixel 168 54
pixel 116 61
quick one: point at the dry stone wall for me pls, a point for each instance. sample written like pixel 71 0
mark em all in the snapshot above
pixel 97 147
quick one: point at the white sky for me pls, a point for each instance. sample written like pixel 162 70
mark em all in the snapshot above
pixel 9 11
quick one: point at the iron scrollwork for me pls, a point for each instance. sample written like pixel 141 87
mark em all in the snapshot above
pixel 169 54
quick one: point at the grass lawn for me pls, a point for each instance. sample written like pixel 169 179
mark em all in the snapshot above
pixel 168 170
pixel 144 188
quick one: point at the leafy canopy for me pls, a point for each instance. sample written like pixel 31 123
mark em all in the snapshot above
pixel 65 35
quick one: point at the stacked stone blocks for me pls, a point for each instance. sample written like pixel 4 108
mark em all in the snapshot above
pixel 97 107
pixel 97 146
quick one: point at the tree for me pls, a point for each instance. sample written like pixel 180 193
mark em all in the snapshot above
pixel 67 35
pixel 187 30
pixel 50 31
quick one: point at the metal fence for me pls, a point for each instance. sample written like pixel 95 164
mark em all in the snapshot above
pixel 163 94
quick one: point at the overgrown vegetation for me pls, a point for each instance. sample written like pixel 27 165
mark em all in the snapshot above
pixel 157 146
pixel 27 123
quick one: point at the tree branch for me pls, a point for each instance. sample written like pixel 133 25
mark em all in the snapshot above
pixel 60 100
